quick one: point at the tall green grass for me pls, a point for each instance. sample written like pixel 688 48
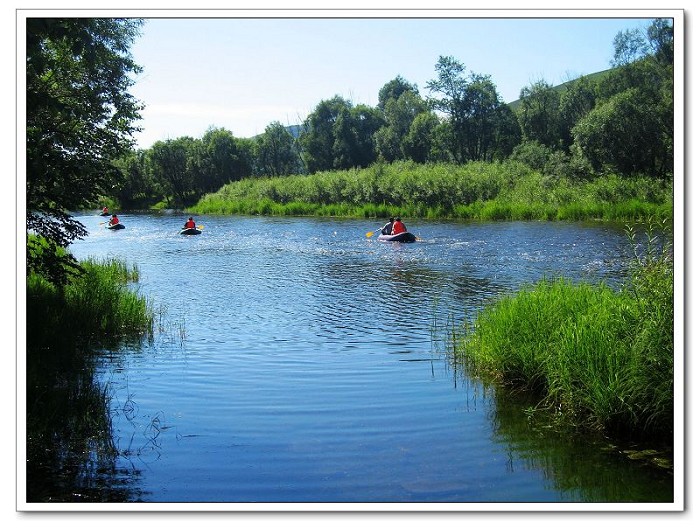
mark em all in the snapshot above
pixel 599 358
pixel 70 449
pixel 97 304
pixel 478 190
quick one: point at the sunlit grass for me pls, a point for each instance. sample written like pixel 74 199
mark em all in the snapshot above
pixel 97 303
pixel 599 357
pixel 478 191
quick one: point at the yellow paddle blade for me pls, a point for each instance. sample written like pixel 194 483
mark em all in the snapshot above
pixel 200 227
pixel 369 234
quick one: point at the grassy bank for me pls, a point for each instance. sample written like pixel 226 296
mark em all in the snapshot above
pixel 70 449
pixel 479 191
pixel 599 358
pixel 95 305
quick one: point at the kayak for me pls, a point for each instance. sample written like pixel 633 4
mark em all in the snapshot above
pixel 399 237
pixel 104 214
pixel 118 226
pixel 190 231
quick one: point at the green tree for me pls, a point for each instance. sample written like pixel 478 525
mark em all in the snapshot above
pixel 474 110
pixel 394 89
pixel 644 70
pixel 539 115
pixel 420 144
pixel 171 164
pixel 399 114
pixel 80 118
pixel 353 134
pixel 317 135
pixel 623 134
pixel 225 159
pixel 137 186
pixel 576 101
pixel 276 152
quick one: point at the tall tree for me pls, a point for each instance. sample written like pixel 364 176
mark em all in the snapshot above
pixel 172 164
pixel 394 89
pixel 576 101
pixel 225 159
pixel 473 108
pixel 539 115
pixel 624 134
pixel 80 117
pixel 638 93
pixel 353 134
pixel 276 152
pixel 317 134
pixel 419 144
pixel 399 114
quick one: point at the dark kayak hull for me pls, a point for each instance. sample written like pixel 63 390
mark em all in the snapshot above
pixel 190 231
pixel 401 237
pixel 118 226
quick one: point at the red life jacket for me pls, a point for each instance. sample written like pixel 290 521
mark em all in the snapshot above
pixel 190 224
pixel 398 227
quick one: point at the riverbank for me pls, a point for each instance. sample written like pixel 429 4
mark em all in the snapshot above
pixel 474 191
pixel 598 358
pixel 70 446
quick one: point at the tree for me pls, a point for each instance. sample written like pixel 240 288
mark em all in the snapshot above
pixel 226 159
pixel 394 89
pixel 623 134
pixel 539 115
pixel 353 134
pixel 576 101
pixel 419 144
pixel 80 117
pixel 399 114
pixel 644 72
pixel 317 135
pixel 171 164
pixel 473 108
pixel 276 153
pixel 137 185
pixel 633 44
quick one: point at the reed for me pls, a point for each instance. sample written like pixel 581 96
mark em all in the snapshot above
pixel 97 304
pixel 599 358
pixel 477 190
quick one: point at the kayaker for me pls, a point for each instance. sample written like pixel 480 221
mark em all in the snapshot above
pixel 386 230
pixel 105 210
pixel 114 220
pixel 398 227
pixel 190 224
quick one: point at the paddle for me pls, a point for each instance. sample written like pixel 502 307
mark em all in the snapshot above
pixel 370 233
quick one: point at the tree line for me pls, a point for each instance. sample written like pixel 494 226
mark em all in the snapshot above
pixel 619 121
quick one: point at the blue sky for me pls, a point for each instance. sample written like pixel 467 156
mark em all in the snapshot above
pixel 243 74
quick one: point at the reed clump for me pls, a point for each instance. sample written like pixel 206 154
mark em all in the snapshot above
pixel 600 358
pixel 96 304
pixel 475 191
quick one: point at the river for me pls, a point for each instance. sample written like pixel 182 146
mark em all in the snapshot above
pixel 297 360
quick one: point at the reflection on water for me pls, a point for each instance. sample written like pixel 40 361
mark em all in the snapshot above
pixel 298 363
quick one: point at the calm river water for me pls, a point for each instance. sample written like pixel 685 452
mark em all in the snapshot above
pixel 299 361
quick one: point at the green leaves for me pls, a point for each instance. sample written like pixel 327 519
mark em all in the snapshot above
pixel 79 119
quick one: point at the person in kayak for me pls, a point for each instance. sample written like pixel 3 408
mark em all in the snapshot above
pixel 398 227
pixel 386 230
pixel 105 210
pixel 114 220
pixel 190 224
